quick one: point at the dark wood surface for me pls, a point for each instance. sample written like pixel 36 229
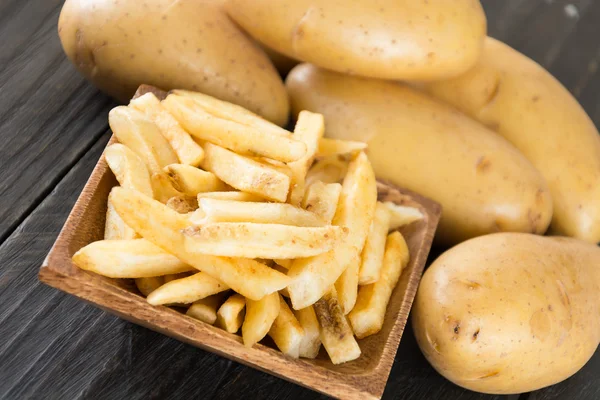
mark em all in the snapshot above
pixel 53 127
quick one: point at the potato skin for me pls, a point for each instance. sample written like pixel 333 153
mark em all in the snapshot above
pixel 187 44
pixel 510 313
pixel 483 183
pixel 402 39
pixel 524 103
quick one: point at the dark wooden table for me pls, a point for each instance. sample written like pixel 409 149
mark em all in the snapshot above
pixel 53 127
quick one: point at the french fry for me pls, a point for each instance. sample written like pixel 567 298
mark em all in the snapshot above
pixel 250 240
pixel 336 335
pixel 311 341
pixel 346 285
pixel 402 215
pixel 367 316
pixel 163 188
pixel 245 174
pixel 286 331
pixel 186 290
pixel 137 258
pixel 327 170
pixel 148 285
pixel 260 315
pixel 162 226
pixel 231 314
pixel 128 167
pixel 187 150
pixel 232 135
pixel 312 277
pixel 114 227
pixel 372 254
pixel 141 135
pixel 309 130
pixel 322 199
pixel 182 204
pixel 212 210
pixel 234 196
pixel 205 309
pixel 331 147
pixel 232 112
pixel 191 180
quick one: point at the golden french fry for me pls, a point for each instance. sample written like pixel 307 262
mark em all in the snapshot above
pixel 283 270
pixel 186 290
pixel 260 315
pixel 128 167
pixel 205 309
pixel 235 196
pixel 312 277
pixel 148 285
pixel 284 263
pixel 286 331
pixel 309 130
pixel 187 150
pixel 346 285
pixel 232 112
pixel 163 227
pixel 232 135
pixel 231 314
pixel 141 135
pixel 163 188
pixel 182 204
pixel 213 210
pixel 250 240
pixel 331 147
pixel 191 180
pixel 137 258
pixel 367 316
pixel 245 174
pixel 328 170
pixel 402 215
pixel 336 334
pixel 322 199
pixel 311 341
pixel 372 254
pixel 114 227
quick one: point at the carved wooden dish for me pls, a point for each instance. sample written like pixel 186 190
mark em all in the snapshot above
pixel 363 378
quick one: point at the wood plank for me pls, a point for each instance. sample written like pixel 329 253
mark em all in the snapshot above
pixel 49 116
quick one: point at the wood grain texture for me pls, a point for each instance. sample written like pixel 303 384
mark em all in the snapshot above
pixel 360 379
pixel 65 349
pixel 49 116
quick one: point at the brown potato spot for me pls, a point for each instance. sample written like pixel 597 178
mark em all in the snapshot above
pixel 483 164
pixel 540 325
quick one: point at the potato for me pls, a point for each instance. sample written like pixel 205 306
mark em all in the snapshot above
pixel 186 44
pixel 524 103
pixel 509 312
pixel 403 39
pixel 483 183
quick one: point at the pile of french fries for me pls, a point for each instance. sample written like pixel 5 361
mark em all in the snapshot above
pixel 248 225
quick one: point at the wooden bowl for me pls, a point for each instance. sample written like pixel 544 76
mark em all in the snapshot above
pixel 364 378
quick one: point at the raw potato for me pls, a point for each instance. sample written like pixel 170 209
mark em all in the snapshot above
pixel 404 39
pixel 161 44
pixel 524 103
pixel 483 183
pixel 510 313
